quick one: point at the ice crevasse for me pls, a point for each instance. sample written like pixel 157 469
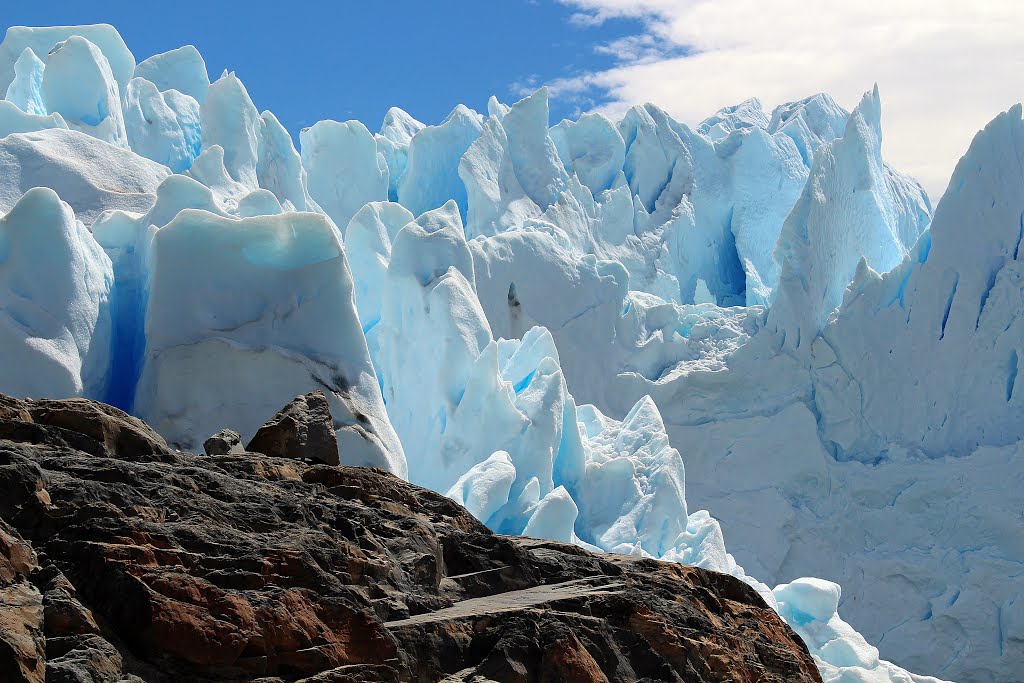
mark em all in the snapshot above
pixel 544 322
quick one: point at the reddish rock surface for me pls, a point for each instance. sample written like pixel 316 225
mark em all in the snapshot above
pixel 22 645
pixel 122 560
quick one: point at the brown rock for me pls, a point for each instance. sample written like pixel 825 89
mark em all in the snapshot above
pixel 17 559
pixel 224 442
pixel 22 644
pixel 74 660
pixel 120 434
pixel 567 661
pixel 302 429
pixel 64 615
pixel 13 409
pixel 161 566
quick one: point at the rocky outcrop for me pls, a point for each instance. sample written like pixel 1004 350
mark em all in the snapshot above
pixel 122 560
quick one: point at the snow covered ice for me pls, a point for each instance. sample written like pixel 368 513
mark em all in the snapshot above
pixel 748 345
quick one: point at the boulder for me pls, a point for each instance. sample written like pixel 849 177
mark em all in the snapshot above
pixel 116 431
pixel 303 429
pixel 224 442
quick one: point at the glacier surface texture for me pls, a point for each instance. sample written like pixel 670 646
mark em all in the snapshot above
pixel 546 323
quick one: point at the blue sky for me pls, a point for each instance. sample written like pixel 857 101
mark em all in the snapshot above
pixel 307 61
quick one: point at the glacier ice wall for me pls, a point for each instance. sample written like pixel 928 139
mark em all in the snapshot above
pixel 55 292
pixel 265 308
pixel 78 83
pixel 955 303
pixel 545 322
pixel 851 210
pixel 42 40
pixel 182 70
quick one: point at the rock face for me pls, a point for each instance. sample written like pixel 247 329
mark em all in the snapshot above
pixel 122 560
pixel 302 429
pixel 22 646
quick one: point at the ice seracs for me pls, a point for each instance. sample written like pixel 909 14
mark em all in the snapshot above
pixel 746 114
pixel 485 486
pixel 592 148
pixel 293 329
pixel 853 208
pixel 14 120
pixel 26 90
pixel 491 421
pixel 182 69
pixel 809 123
pixel 431 174
pixel 344 168
pixel 91 175
pixel 368 240
pixel 55 291
pixel 546 323
pixel 632 487
pixel 41 40
pixel 428 295
pixel 393 141
pixel 164 127
pixel 78 83
pixel 954 303
pixel 279 167
pixel 229 121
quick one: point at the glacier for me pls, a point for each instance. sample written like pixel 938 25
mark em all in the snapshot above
pixel 749 345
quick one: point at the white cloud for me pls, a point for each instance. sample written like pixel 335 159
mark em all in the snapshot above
pixel 944 67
